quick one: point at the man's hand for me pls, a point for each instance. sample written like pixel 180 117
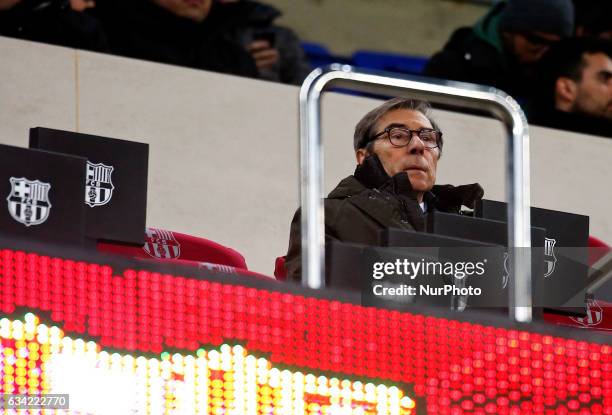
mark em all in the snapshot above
pixel 263 53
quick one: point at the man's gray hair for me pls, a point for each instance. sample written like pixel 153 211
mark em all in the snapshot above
pixel 364 128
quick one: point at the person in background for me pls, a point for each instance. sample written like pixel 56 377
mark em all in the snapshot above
pixel 276 49
pixel 594 18
pixel 190 33
pixel 502 49
pixel 229 37
pixel 82 5
pixel 397 147
pixel 59 22
pixel 576 79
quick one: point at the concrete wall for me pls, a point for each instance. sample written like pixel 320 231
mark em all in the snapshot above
pixel 224 150
pixel 417 27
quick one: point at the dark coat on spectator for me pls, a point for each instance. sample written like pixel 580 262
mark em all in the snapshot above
pixel 572 121
pixel 53 22
pixel 249 20
pixel 143 30
pixel 369 201
pixel 140 29
pixel 476 54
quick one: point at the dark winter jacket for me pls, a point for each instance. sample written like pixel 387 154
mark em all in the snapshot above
pixel 571 121
pixel 54 22
pixel 251 20
pixel 141 29
pixel 369 201
pixel 476 54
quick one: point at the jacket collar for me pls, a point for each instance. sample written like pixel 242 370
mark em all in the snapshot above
pixel 371 175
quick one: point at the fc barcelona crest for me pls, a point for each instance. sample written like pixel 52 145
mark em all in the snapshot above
pixel 98 186
pixel 594 314
pixel 549 256
pixel 506 276
pixel 161 244
pixel 29 202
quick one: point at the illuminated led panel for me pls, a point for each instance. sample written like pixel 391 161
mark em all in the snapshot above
pixel 441 366
pixel 41 359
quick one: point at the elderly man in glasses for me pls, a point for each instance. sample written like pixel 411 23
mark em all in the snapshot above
pixel 502 49
pixel 397 148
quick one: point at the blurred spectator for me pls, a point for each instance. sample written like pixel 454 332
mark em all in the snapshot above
pixel 82 5
pixel 229 37
pixel 502 48
pixel 60 22
pixel 576 77
pixel 594 18
pixel 179 32
pixel 276 50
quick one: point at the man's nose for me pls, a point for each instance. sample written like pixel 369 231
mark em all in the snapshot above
pixel 416 145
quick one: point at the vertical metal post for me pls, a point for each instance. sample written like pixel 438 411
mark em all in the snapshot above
pixel 311 184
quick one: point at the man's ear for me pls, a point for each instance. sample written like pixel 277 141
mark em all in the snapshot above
pixel 361 154
pixel 566 91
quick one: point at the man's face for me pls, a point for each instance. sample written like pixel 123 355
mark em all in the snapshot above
pixel 593 94
pixel 418 162
pixel 195 10
pixel 528 48
pixel 82 5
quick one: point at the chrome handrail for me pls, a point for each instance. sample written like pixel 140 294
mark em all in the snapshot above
pixel 459 95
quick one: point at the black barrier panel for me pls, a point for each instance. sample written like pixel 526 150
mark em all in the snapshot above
pixel 417 262
pixel 40 192
pixel 567 229
pixel 563 230
pixel 562 275
pixel 453 277
pixel 115 186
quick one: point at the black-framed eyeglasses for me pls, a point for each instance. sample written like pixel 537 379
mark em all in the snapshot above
pixel 401 137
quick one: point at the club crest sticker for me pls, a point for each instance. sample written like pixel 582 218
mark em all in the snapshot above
pixel 29 202
pixel 593 316
pixel 161 244
pixel 98 185
pixel 506 276
pixel 549 256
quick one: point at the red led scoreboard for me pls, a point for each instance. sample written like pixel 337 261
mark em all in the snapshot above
pixel 122 336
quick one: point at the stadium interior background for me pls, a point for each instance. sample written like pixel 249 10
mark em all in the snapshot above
pixel 223 162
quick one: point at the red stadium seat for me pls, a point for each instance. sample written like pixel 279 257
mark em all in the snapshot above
pixel 600 248
pixel 599 312
pixel 280 272
pixel 167 245
pixel 598 317
pixel 597 243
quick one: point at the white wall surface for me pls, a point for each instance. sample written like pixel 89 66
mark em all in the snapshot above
pixel 224 150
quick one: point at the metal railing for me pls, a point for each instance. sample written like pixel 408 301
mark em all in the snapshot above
pixel 454 94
